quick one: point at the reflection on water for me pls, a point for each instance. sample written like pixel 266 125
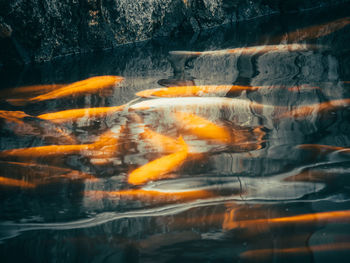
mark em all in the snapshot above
pixel 237 152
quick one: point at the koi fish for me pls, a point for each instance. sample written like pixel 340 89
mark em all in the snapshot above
pixel 259 254
pixel 29 91
pixel 103 147
pixel 195 91
pixel 325 149
pixel 75 114
pixel 13 116
pixel 15 183
pixel 159 168
pixel 304 111
pixel 159 141
pixel 248 50
pixel 203 128
pixel 238 110
pixel 77 88
pixel 322 217
pixel 197 103
pixel 317 31
pixel 41 173
pixel 208 91
pixel 32 126
pixel 152 195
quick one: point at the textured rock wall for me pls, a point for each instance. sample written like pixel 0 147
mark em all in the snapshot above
pixel 40 30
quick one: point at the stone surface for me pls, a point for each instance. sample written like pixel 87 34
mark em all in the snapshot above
pixel 40 30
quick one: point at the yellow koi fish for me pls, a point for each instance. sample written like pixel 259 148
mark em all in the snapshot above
pixel 15 183
pixel 202 128
pixel 89 85
pixel 75 114
pixel 159 168
pixel 159 141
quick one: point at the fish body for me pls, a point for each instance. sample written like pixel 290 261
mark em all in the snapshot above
pixel 86 86
pixel 261 254
pixel 152 195
pixel 195 91
pixel 248 50
pixel 159 168
pixel 41 173
pixel 29 91
pixel 159 141
pixel 75 114
pixel 9 182
pixel 104 147
pixel 13 116
pixel 317 31
pixel 193 103
pixel 310 110
pixel 240 111
pixel 201 127
pixel 325 149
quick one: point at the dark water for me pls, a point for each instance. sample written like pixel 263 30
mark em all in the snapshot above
pixel 255 175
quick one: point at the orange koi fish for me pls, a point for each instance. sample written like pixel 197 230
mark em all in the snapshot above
pixel 15 183
pixel 324 148
pixel 152 195
pixel 317 31
pixel 104 147
pixel 159 141
pixel 33 127
pixel 201 127
pixel 304 111
pixel 154 140
pixel 322 217
pixel 89 85
pixel 195 91
pixel 75 114
pixel 13 116
pixel 260 254
pixel 103 150
pixel 44 151
pixel 159 168
pixel 41 173
pixel 247 139
pixel 29 91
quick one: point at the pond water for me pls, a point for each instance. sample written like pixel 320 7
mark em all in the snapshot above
pixel 232 145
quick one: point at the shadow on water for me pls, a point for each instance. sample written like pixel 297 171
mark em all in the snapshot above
pixel 229 145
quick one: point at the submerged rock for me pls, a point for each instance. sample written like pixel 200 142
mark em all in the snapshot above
pixel 40 30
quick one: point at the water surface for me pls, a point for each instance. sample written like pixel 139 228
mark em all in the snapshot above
pixel 249 162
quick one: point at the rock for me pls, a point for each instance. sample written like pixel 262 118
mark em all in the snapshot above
pixel 40 30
